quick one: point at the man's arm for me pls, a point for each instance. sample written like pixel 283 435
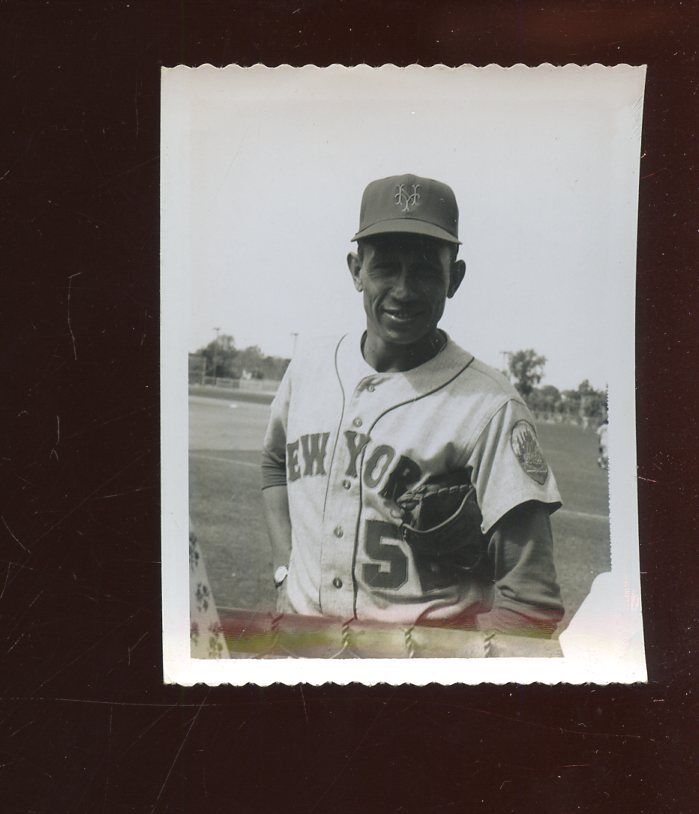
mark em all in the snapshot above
pixel 527 596
pixel 276 507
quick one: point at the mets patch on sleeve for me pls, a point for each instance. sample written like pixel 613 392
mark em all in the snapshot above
pixel 525 446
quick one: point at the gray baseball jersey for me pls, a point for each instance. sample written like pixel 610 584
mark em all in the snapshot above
pixel 352 439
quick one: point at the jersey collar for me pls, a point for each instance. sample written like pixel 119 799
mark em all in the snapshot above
pixel 354 371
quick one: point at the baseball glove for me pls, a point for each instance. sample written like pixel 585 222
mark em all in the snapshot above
pixel 441 521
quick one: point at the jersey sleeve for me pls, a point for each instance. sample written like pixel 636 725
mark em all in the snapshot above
pixel 274 445
pixel 508 465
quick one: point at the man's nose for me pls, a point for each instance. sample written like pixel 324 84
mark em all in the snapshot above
pixel 403 285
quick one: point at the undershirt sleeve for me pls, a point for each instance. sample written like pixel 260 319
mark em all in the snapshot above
pixel 527 596
pixel 274 447
pixel 273 471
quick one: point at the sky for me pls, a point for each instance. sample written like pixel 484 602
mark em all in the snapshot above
pixel 275 163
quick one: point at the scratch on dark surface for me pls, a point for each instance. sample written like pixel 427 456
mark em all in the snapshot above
pixel 303 699
pixel 135 102
pixel 20 618
pixel 19 565
pixel 126 172
pixel 178 752
pixel 150 726
pixel 132 647
pixel 19 729
pixel 649 480
pixel 4 585
pixel 54 451
pixel 87 650
pixel 350 758
pixel 96 424
pixel 14 537
pixel 127 492
pixel 90 495
pixel 561 729
pixel 14 644
pixel 575 765
pixel 109 753
pixel 70 326
pixel 651 174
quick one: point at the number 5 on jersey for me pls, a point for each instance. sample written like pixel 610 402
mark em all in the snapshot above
pixel 391 570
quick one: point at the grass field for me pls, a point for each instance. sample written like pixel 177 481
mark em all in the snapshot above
pixel 225 437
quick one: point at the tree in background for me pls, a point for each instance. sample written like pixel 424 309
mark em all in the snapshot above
pixel 224 361
pixel 220 356
pixel 248 363
pixel 526 367
pixel 252 363
pixel 593 403
pixel 570 405
pixel 584 403
pixel 546 399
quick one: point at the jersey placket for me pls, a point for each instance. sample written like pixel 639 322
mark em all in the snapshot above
pixel 341 531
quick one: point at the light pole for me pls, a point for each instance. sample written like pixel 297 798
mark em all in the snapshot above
pixel 506 354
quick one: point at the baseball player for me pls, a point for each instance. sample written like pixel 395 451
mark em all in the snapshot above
pixel 402 478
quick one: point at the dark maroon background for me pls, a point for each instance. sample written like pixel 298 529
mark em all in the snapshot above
pixel 85 723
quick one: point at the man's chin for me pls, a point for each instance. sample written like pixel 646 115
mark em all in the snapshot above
pixel 405 335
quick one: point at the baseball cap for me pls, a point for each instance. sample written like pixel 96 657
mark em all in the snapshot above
pixel 409 204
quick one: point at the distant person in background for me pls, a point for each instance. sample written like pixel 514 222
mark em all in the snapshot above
pixel 603 459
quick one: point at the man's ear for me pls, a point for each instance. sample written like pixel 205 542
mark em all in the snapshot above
pixel 456 276
pixel 354 264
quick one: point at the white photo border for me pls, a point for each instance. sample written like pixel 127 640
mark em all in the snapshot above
pixel 604 643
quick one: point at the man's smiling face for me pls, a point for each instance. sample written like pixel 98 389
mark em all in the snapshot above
pixel 405 281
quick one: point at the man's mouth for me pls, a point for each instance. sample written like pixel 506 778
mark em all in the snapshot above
pixel 403 314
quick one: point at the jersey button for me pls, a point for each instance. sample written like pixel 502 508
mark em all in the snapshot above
pixel 338 531
pixel 357 422
pixel 337 582
pixel 346 484
pixel 371 388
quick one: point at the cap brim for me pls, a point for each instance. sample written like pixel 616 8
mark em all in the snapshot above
pixel 406 226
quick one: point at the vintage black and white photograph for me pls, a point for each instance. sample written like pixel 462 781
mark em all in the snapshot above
pixel 398 374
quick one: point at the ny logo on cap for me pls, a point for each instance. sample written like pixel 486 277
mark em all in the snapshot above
pixel 405 199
